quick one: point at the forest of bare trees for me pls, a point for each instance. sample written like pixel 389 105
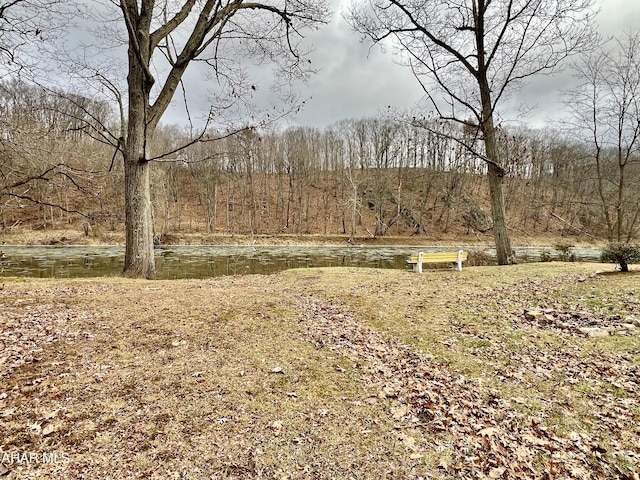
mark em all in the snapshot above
pixel 85 146
pixel 83 139
pixel 360 177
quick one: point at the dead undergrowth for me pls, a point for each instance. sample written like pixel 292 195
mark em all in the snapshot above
pixel 320 373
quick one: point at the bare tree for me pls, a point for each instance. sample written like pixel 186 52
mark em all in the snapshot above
pixel 25 24
pixel 44 160
pixel 606 113
pixel 163 40
pixel 204 165
pixel 34 166
pixel 473 52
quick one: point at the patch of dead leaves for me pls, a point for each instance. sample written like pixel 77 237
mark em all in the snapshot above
pixel 28 325
pixel 485 435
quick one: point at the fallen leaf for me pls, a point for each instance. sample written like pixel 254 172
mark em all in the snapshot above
pixel 400 410
pixel 277 427
pixel 36 427
pixel 48 429
pixel 497 472
pixel 489 431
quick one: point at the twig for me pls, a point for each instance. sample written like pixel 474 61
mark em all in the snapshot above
pixel 571 226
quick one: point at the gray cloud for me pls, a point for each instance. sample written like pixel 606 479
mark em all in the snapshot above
pixel 618 16
pixel 355 80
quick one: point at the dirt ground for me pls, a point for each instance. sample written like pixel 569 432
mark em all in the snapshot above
pixel 336 373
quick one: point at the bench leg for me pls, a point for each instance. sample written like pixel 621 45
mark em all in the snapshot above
pixel 419 264
pixel 459 260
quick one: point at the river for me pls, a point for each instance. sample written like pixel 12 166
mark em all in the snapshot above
pixel 205 261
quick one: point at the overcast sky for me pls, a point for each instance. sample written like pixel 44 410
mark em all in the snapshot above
pixel 355 81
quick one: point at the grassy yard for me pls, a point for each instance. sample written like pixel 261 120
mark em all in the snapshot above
pixel 324 373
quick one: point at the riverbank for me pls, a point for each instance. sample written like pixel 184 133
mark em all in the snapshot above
pixel 324 373
pixel 28 236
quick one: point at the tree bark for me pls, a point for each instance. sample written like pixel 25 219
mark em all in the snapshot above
pixel 139 259
pixel 504 253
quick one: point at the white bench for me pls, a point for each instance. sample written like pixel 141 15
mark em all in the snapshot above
pixel 421 258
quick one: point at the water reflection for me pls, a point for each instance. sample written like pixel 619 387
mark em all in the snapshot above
pixel 209 261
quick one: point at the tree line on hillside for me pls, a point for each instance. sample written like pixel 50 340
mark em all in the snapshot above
pixel 373 177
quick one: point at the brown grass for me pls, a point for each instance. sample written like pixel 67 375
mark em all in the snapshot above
pixel 25 235
pixel 231 378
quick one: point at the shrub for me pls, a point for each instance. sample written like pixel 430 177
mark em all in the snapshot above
pixel 565 254
pixel 545 256
pixel 621 253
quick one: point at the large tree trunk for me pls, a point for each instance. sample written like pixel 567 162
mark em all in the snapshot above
pixel 139 261
pixel 496 174
pixel 504 254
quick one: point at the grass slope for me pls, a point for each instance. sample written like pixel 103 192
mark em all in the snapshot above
pixel 321 373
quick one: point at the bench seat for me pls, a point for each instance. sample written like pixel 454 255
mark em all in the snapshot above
pixel 419 259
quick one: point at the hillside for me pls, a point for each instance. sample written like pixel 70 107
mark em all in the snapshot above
pixel 431 206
